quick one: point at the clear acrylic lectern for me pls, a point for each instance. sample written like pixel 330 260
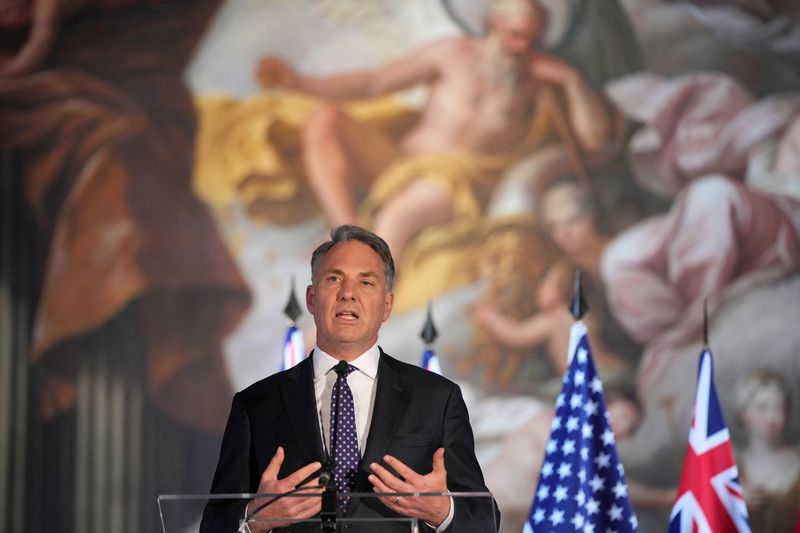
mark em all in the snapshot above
pixel 226 513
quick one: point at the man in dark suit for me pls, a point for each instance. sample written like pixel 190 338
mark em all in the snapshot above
pixel 393 426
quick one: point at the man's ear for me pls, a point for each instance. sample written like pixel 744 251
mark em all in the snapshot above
pixel 310 299
pixel 387 306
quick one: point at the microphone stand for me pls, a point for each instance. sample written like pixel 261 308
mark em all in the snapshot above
pixel 328 479
pixel 328 513
pixel 326 474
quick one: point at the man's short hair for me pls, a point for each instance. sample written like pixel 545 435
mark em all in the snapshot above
pixel 348 233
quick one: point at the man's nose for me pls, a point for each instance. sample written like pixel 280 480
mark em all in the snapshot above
pixel 347 290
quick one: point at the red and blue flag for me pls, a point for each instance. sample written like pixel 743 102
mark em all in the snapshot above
pixel 710 498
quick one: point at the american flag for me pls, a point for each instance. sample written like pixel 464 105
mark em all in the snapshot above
pixel 430 361
pixel 581 484
pixel 293 349
pixel 709 495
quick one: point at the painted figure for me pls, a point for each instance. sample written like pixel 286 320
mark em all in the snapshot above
pixel 483 98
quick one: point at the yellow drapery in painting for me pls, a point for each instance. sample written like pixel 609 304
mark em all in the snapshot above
pixel 249 152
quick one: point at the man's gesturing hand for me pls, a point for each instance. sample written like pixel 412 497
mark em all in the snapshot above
pixel 294 507
pixel 431 509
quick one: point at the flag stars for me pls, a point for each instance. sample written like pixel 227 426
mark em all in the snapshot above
pixel 575 400
pixel 597 483
pixel 634 521
pixel 582 355
pixel 552 446
pixel 608 437
pixel 620 490
pixel 614 513
pixel 543 493
pixel 572 424
pixel 568 447
pixel 557 517
pixel 603 460
pixel 580 476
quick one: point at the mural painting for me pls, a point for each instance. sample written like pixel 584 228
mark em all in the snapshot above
pixel 181 161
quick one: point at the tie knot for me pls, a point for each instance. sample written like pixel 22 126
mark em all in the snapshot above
pixel 343 369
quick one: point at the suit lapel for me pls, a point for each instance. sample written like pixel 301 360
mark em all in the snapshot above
pixel 301 409
pixel 391 398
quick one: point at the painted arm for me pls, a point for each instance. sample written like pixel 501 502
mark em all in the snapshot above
pixel 586 111
pixel 417 67
pixel 513 333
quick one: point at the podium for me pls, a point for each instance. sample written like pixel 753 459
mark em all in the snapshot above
pixel 225 513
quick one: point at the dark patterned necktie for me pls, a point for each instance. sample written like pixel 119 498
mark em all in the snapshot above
pixel 344 440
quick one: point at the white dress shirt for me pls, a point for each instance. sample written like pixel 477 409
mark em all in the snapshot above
pixel 362 382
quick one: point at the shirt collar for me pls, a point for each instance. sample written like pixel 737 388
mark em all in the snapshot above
pixel 366 363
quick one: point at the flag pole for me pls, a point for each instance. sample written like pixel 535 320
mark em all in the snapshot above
pixel 292 309
pixel 429 333
pixel 578 307
pixel 430 360
pixel 293 349
pixel 705 323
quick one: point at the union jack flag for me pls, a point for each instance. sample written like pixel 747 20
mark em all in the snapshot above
pixel 430 361
pixel 710 497
pixel 293 348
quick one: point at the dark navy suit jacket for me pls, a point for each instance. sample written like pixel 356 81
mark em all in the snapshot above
pixel 415 413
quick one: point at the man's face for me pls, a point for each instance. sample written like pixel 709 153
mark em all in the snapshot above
pixel 349 300
pixel 515 34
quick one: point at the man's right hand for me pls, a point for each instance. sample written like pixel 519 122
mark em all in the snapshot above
pixel 294 508
pixel 273 71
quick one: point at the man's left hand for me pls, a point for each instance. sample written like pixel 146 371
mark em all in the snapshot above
pixel 431 509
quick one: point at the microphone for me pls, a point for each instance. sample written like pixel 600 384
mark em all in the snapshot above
pixel 325 476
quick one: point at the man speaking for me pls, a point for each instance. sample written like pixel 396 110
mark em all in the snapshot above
pixel 391 427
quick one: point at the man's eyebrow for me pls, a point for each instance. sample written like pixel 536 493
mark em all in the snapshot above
pixel 365 274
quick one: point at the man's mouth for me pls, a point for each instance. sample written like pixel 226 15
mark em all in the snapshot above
pixel 347 315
